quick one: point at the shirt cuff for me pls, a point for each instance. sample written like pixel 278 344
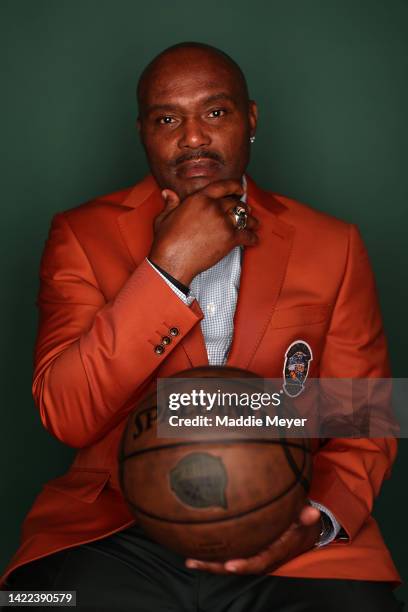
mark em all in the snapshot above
pixel 187 299
pixel 332 529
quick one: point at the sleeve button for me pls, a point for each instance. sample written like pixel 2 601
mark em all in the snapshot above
pixel 159 349
pixel 174 331
pixel 166 340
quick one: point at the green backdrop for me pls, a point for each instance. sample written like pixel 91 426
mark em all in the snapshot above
pixel 330 78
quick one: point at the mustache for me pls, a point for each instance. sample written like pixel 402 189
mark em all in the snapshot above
pixel 195 156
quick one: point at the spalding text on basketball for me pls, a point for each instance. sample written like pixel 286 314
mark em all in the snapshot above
pixel 144 420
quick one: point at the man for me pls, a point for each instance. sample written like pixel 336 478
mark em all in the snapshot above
pixel 197 265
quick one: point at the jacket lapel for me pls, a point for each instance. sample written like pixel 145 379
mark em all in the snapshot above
pixel 136 224
pixel 262 275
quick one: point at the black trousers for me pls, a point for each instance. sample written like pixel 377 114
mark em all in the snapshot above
pixel 133 573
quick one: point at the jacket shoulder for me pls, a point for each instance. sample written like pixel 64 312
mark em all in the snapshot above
pixel 321 240
pixel 317 233
pixel 108 204
pixel 303 216
pixel 106 208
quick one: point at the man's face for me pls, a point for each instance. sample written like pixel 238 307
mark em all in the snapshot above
pixel 195 121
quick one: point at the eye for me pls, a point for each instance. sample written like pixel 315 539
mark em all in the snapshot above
pixel 166 120
pixel 217 113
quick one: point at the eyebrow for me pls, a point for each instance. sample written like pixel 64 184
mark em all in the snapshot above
pixel 174 107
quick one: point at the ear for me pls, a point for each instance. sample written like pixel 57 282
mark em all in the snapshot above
pixel 252 117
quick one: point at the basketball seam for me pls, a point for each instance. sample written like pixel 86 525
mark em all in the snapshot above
pixel 213 441
pixel 223 519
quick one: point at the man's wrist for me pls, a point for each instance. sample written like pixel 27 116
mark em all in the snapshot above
pixel 180 286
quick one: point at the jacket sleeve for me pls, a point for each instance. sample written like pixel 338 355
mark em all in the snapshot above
pixel 348 472
pixel 91 356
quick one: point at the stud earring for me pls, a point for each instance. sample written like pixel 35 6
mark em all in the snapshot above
pixel 252 139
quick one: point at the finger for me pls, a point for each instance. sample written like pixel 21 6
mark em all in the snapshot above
pixel 171 199
pixel 257 564
pixel 309 515
pixel 270 557
pixel 206 566
pixel 287 545
pixel 221 189
pixel 246 237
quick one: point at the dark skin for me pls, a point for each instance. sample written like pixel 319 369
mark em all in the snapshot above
pixel 195 123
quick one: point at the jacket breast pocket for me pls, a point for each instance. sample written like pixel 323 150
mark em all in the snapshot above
pixel 81 483
pixel 300 316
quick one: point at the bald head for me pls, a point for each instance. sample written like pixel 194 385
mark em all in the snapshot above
pixel 190 56
pixel 195 119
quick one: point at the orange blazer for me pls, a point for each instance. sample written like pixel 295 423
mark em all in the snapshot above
pixel 103 309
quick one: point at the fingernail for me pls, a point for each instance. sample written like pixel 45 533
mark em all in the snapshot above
pixel 191 564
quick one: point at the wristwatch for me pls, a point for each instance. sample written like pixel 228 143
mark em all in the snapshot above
pixel 326 528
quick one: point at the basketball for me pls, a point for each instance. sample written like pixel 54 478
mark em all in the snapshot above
pixel 211 498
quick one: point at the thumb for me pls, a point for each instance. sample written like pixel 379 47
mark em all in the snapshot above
pixel 171 199
pixel 309 515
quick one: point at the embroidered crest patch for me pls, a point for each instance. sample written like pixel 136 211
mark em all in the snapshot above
pixel 296 367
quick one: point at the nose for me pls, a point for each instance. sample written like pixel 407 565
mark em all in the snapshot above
pixel 194 134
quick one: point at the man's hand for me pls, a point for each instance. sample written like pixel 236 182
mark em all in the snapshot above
pixel 194 234
pixel 300 536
